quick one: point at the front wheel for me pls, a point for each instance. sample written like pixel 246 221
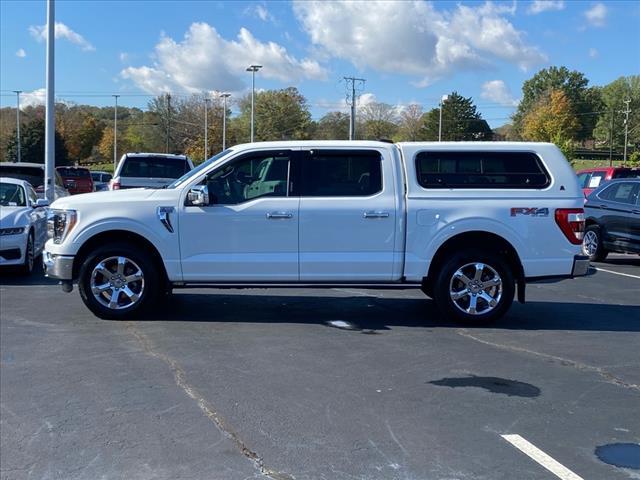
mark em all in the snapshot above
pixel 474 287
pixel 119 281
pixel 29 256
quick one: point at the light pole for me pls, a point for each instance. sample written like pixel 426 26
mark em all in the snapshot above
pixel 206 127
pixel 442 100
pixel 115 134
pixel 224 119
pixel 253 69
pixel 50 117
pixel 626 111
pixel 18 92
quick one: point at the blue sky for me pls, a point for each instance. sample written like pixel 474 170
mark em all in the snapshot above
pixel 409 52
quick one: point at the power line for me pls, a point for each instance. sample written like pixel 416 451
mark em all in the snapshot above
pixel 352 100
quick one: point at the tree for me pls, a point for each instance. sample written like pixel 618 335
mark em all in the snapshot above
pixel 377 120
pixel 551 119
pixel 584 100
pixel 32 144
pixel 613 97
pixel 410 123
pixel 333 126
pixel 460 121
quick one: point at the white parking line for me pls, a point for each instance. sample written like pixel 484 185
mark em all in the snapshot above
pixel 616 273
pixel 542 458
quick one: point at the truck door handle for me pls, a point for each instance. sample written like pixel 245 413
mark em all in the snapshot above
pixel 637 212
pixel 279 215
pixel 376 214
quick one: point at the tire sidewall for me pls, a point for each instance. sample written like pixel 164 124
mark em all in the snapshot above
pixel 142 259
pixel 441 288
pixel 600 253
pixel 27 267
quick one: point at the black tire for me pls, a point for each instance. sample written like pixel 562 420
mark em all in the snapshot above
pixel 29 256
pixel 593 235
pixel 486 313
pixel 149 288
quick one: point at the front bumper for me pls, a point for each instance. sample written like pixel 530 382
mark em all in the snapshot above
pixel 12 248
pixel 580 266
pixel 59 267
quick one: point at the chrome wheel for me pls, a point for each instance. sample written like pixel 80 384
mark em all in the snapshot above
pixel 590 243
pixel 475 288
pixel 117 282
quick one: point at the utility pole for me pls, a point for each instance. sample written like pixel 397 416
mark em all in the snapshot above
pixel 352 101
pixel 611 140
pixel 115 133
pixel 442 100
pixel 206 127
pixel 224 119
pixel 626 112
pixel 253 69
pixel 168 121
pixel 19 156
pixel 50 117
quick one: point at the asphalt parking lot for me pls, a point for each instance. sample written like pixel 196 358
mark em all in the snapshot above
pixel 321 384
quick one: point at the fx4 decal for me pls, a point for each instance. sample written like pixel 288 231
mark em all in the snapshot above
pixel 530 211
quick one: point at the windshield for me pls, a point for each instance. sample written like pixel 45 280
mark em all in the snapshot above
pixel 74 172
pixel 12 195
pixel 198 169
pixel 33 175
pixel 154 167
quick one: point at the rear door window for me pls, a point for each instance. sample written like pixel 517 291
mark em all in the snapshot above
pixel 154 167
pixel 468 169
pixel 345 173
pixel 623 192
pixel 583 179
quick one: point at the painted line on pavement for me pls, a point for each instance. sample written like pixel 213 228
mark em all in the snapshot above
pixel 542 458
pixel 616 273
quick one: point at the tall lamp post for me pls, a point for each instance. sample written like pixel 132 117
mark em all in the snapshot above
pixel 115 133
pixel 206 127
pixel 253 69
pixel 19 153
pixel 442 100
pixel 50 115
pixel 224 119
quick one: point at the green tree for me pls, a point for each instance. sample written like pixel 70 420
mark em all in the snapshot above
pixel 461 121
pixel 613 97
pixel 585 101
pixel 32 144
pixel 333 126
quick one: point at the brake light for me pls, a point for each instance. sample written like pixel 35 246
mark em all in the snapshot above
pixel 571 222
pixel 115 185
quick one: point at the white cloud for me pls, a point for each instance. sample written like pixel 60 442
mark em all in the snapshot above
pixel 498 92
pixel 415 38
pixel 597 15
pixel 33 99
pixel 593 53
pixel 259 10
pixel 204 60
pixel 39 32
pixel 21 53
pixel 539 6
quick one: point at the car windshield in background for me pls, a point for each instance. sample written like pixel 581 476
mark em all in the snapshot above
pixel 12 195
pixel 33 175
pixel 198 169
pixel 154 167
pixel 74 172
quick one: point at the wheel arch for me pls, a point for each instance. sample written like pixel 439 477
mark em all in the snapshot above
pixel 486 240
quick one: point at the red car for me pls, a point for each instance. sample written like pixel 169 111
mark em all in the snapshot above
pixel 76 179
pixel 592 178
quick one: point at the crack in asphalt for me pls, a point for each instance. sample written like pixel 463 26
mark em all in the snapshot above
pixel 609 377
pixel 180 378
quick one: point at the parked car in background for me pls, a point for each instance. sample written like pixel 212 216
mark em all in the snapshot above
pixel 76 179
pixel 149 170
pixel 612 219
pixel 23 224
pixel 101 180
pixel 592 178
pixel 34 174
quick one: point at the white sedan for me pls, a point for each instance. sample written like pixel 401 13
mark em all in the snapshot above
pixel 23 224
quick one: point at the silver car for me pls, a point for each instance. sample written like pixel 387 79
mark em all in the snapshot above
pixel 149 170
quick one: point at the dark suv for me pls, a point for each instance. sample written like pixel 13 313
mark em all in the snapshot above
pixel 612 214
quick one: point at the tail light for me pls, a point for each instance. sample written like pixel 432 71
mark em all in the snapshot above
pixel 113 185
pixel 571 222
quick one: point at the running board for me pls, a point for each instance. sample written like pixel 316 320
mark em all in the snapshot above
pixel 370 286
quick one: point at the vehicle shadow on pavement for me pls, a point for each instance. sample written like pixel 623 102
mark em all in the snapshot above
pixel 12 277
pixel 375 314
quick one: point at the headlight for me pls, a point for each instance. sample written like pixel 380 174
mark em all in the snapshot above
pixel 11 231
pixel 60 223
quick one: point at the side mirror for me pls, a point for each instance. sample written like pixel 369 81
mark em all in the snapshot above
pixel 198 196
pixel 41 202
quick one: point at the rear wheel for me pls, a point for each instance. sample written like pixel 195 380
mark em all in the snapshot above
pixel 592 244
pixel 119 281
pixel 474 287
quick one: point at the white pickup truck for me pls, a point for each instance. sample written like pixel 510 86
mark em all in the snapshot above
pixel 468 223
